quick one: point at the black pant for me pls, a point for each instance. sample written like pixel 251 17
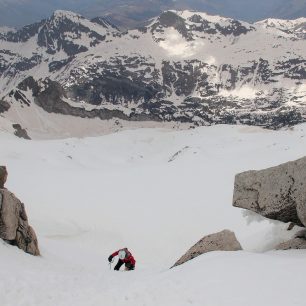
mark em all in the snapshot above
pixel 128 265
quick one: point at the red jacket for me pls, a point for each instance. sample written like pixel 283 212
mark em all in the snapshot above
pixel 128 258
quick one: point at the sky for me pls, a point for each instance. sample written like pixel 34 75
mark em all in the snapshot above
pixel 17 13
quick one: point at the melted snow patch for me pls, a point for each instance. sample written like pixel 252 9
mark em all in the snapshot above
pixel 245 92
pixel 175 45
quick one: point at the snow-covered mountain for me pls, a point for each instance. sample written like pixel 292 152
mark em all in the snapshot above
pixel 182 67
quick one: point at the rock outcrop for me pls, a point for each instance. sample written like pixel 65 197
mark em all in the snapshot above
pixel 20 132
pixel 14 226
pixel 4 106
pixel 278 193
pixel 295 243
pixel 221 241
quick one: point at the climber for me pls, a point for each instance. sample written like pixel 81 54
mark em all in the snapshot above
pixel 125 257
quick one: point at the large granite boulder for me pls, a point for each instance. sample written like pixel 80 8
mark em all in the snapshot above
pixel 277 193
pixel 14 226
pixel 221 241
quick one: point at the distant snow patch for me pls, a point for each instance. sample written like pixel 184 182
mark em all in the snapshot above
pixel 242 92
pixel 210 60
pixel 176 45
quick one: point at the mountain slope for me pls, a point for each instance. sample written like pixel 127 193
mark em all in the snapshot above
pixel 182 67
pixel 87 197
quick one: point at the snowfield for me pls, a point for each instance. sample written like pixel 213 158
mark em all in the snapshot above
pixel 157 192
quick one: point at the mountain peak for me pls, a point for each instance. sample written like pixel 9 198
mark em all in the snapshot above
pixel 192 24
pixel 186 14
pixel 295 27
pixel 60 14
pixel 277 21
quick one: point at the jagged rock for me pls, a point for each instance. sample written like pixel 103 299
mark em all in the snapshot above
pixel 4 106
pixel 277 193
pixel 29 83
pixel 221 241
pixel 19 96
pixel 20 132
pixel 51 100
pixel 295 243
pixel 14 226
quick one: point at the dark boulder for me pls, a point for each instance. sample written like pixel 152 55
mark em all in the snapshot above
pixel 20 132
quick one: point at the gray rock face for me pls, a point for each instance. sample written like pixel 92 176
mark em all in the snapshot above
pixel 277 193
pixel 10 211
pixel 295 243
pixel 301 234
pixel 14 226
pixel 20 132
pixel 50 99
pixel 4 106
pixel 222 241
pixel 301 210
pixel 3 176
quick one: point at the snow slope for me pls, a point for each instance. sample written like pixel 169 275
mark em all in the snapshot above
pixel 157 192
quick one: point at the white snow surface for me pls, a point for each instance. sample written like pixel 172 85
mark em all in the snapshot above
pixel 87 197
